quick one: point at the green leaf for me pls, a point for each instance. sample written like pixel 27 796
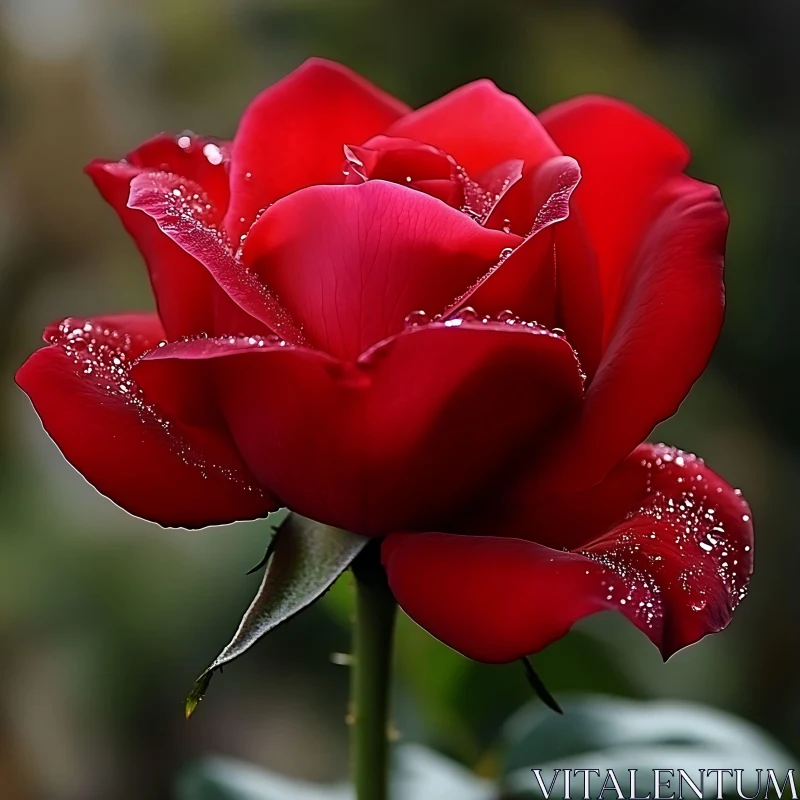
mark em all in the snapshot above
pixel 418 774
pixel 423 774
pixel 609 733
pixel 305 561
pixel 226 779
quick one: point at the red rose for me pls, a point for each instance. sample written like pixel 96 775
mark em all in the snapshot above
pixel 393 320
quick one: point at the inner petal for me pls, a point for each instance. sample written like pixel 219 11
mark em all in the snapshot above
pixel 350 263
pixel 483 195
pixel 419 166
pixel 431 170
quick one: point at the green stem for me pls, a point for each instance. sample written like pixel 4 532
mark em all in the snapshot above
pixel 371 677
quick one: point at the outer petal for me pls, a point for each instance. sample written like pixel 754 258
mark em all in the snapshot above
pixel 667 326
pixel 155 467
pixel 676 564
pixel 201 159
pixel 350 263
pixel 183 290
pixel 292 135
pixel 398 439
pixel 183 215
pixel 626 158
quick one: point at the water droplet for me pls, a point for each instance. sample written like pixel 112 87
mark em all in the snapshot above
pixel 467 314
pixel 213 153
pixel 415 318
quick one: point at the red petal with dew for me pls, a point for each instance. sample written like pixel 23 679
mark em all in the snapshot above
pixel 675 557
pixel 157 467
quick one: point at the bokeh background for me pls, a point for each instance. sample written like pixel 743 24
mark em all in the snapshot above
pixel 105 620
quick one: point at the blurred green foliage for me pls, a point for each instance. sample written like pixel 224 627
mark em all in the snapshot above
pixel 105 619
pixel 602 734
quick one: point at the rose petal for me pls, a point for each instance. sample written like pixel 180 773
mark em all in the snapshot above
pixel 291 136
pixel 350 263
pixel 626 158
pixel 677 565
pixel 183 290
pixel 389 159
pixel 485 193
pixel 409 163
pixel 578 295
pixel 562 289
pixel 203 160
pixel 541 198
pixel 431 170
pixel 667 326
pixel 155 467
pixel 180 210
pixel 525 281
pixel 480 126
pixel 448 191
pixel 397 439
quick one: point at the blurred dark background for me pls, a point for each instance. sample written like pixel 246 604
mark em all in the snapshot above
pixel 105 620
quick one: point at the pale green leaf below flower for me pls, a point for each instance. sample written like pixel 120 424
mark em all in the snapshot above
pixel 610 733
pixel 419 774
pixel 304 560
